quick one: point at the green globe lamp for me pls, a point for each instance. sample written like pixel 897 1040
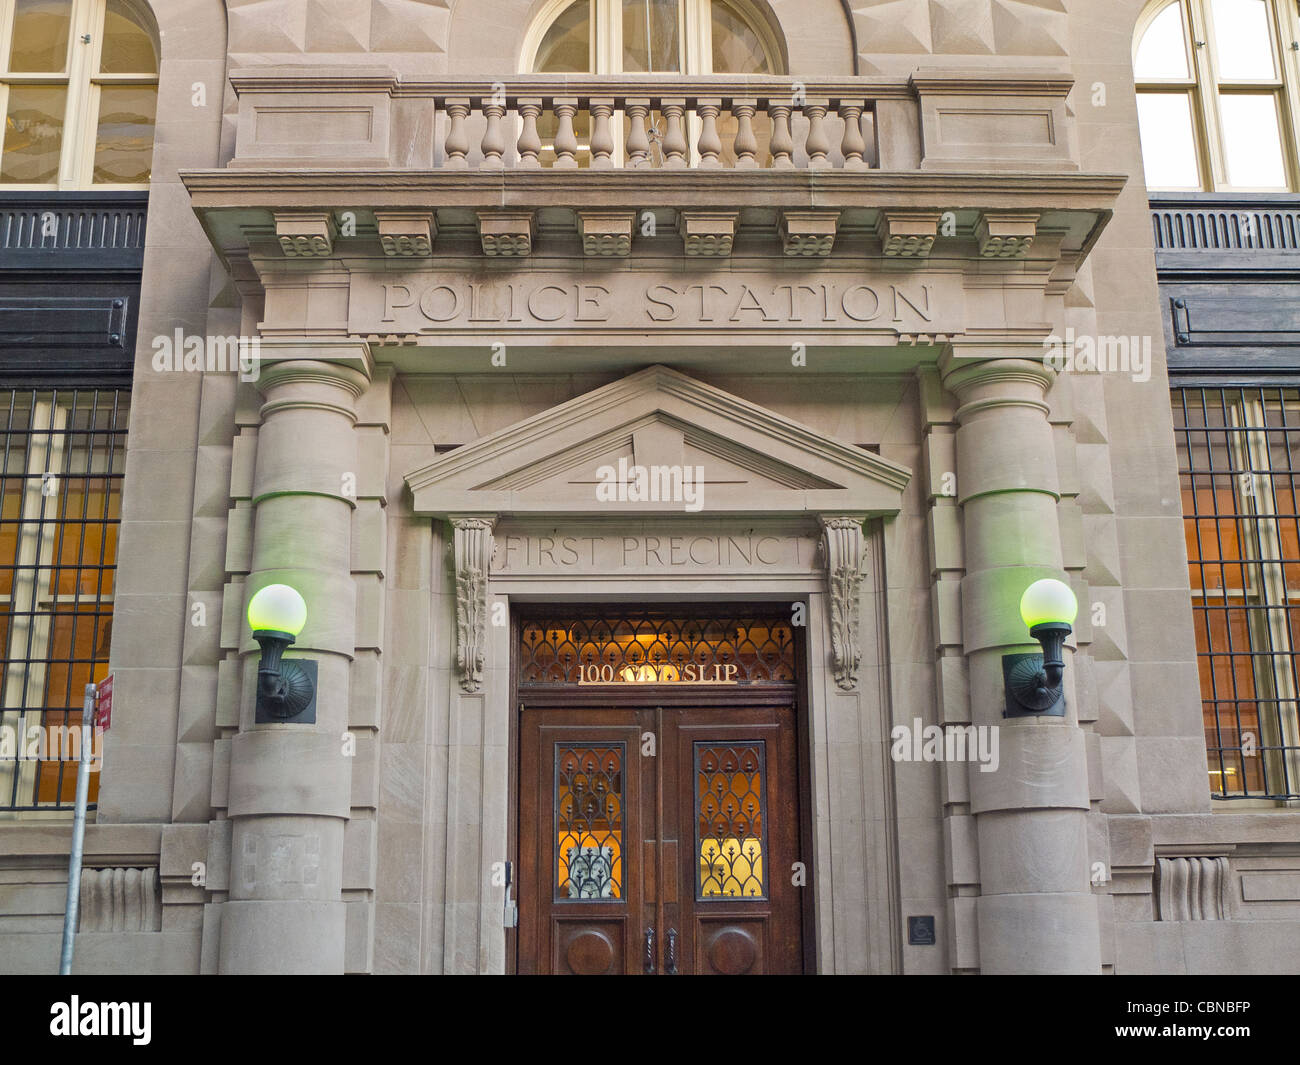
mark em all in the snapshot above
pixel 286 688
pixel 1034 683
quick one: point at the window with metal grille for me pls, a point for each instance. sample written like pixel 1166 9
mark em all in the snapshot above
pixel 1239 457
pixel 60 507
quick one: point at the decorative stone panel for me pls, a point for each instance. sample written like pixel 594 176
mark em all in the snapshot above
pixel 473 547
pixel 1192 889
pixel 844 552
pixel 119 900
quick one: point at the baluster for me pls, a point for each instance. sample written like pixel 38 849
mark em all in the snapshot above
pixel 638 144
pixel 602 136
pixel 566 141
pixel 457 145
pixel 853 147
pixel 782 140
pixel 675 146
pixel 710 145
pixel 746 142
pixel 494 141
pixel 530 144
pixel 818 144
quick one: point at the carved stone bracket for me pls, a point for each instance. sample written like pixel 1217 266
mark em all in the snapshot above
pixel 1006 236
pixel 406 234
pixel 1192 889
pixel 907 234
pixel 305 234
pixel 845 548
pixel 708 234
pixel 473 547
pixel 506 233
pixel 606 233
pixel 810 234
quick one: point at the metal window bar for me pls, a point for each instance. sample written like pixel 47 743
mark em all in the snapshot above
pixel 1237 452
pixel 61 467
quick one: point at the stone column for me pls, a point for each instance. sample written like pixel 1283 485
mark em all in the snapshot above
pixel 1035 912
pixel 290 784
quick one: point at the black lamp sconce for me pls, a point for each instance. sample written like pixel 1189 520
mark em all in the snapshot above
pixel 286 687
pixel 1034 683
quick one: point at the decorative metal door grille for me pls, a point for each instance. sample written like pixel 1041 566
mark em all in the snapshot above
pixel 1239 457
pixel 589 822
pixel 730 815
pixel 746 645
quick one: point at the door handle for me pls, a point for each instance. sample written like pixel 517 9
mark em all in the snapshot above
pixel 670 963
pixel 649 950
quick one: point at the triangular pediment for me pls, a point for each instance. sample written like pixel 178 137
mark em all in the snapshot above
pixel 658 441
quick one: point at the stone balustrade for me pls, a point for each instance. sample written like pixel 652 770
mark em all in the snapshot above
pixel 705 122
pixel 364 117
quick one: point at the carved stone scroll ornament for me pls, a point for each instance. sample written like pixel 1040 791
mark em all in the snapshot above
pixel 473 546
pixel 1192 889
pixel 844 555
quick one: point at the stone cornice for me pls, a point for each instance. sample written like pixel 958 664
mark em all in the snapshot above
pixel 247 187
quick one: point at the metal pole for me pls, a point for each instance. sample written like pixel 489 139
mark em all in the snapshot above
pixel 78 832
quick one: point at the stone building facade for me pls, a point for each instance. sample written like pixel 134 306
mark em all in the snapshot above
pixel 808 257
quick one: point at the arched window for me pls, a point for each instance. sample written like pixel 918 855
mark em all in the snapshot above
pixel 78 90
pixel 652 36
pixel 682 37
pixel 1218 83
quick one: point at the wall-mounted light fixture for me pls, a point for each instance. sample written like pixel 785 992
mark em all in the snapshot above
pixel 1033 682
pixel 286 688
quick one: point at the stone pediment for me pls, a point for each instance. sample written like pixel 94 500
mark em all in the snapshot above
pixel 658 441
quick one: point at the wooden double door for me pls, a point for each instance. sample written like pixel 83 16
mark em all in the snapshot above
pixel 660 840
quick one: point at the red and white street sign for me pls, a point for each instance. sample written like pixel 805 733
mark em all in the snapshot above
pixel 104 703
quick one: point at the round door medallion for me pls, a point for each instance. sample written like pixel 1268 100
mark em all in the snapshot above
pixel 733 951
pixel 589 953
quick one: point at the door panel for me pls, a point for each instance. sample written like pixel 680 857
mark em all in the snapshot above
pixel 737 822
pixel 673 857
pixel 583 795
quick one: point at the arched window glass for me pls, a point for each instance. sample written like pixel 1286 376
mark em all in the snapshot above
pixel 684 37
pixel 1217 92
pixel 78 90
pixel 566 46
pixel 652 37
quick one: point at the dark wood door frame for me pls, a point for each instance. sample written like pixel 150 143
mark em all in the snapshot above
pixel 651 696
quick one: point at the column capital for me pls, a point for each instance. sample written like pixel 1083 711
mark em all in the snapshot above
pixel 341 361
